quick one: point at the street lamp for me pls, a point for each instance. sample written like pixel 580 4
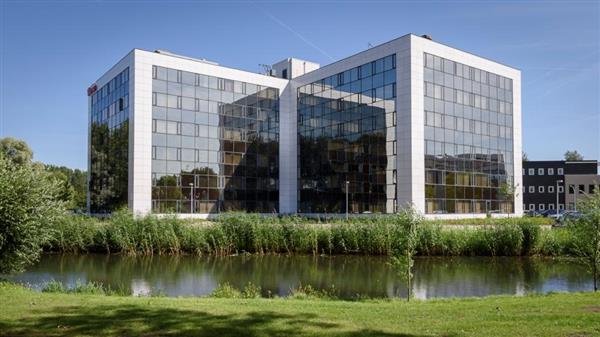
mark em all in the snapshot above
pixel 557 182
pixel 191 198
pixel 347 184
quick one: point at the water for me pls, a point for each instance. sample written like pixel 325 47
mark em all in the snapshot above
pixel 276 275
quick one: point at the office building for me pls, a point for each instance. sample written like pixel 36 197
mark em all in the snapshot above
pixel 545 181
pixel 408 122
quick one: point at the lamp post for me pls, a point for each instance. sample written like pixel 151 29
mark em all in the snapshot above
pixel 191 198
pixel 347 184
pixel 557 182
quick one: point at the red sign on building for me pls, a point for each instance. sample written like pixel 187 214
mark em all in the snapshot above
pixel 92 89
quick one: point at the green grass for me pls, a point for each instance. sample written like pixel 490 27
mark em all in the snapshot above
pixel 249 233
pixel 28 313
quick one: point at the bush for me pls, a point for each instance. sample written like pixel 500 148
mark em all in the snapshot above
pixel 54 287
pixel 29 207
pixel 251 291
pixel 225 290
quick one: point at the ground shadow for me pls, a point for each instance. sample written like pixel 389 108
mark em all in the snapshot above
pixel 131 320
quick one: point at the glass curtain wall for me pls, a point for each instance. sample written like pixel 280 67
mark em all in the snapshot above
pixel 346 133
pixel 109 141
pixel 468 138
pixel 214 144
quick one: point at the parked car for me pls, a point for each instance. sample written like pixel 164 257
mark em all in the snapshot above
pixel 568 215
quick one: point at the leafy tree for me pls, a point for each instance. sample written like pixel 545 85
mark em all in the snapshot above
pixel 29 205
pixel 65 192
pixel 573 156
pixel 75 185
pixel 586 231
pixel 16 150
pixel 403 259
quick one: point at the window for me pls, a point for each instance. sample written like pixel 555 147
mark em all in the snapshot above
pixel 541 171
pixel 592 189
pixel 531 207
pixel 541 207
pixel 541 189
pixel 550 206
pixel 531 172
pixel 284 73
pixel 531 189
pixel 561 189
pixel 550 171
pixel 571 189
pixel 581 188
pixel 550 189
pixel 560 171
pixel 561 206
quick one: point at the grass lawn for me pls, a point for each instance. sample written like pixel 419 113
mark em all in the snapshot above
pixel 27 313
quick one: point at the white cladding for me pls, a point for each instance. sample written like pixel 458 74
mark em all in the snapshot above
pixel 410 161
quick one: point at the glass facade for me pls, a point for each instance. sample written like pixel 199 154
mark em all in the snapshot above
pixel 346 133
pixel 215 144
pixel 468 138
pixel 109 142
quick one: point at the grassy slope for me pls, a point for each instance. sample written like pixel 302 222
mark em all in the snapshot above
pixel 27 313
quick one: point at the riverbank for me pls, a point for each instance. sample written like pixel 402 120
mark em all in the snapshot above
pixel 248 233
pixel 29 313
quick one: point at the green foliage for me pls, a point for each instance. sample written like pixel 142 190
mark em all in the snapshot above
pixel 586 234
pixel 251 291
pixel 225 290
pixel 573 156
pixel 16 151
pixel 88 288
pixel 307 292
pixel 29 207
pixel 240 233
pixel 403 258
pixel 54 287
pixel 73 185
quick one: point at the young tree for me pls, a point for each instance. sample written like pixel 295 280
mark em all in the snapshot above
pixel 403 258
pixel 573 156
pixel 29 206
pixel 586 231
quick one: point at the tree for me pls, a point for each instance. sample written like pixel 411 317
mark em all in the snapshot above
pixel 403 258
pixel 573 156
pixel 507 192
pixel 28 208
pixel 74 185
pixel 16 150
pixel 586 231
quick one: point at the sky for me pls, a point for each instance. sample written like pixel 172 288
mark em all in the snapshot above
pixel 51 51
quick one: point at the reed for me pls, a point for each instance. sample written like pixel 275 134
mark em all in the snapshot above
pixel 238 233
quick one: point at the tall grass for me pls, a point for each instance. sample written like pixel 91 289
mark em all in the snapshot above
pixel 238 233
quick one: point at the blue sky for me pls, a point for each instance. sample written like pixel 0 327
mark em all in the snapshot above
pixel 51 51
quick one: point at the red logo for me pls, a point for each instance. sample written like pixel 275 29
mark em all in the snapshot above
pixel 91 90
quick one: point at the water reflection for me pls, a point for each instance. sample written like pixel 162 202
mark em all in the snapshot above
pixel 348 275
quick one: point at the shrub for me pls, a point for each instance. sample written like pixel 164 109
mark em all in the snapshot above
pixel 225 290
pixel 29 207
pixel 308 292
pixel 54 287
pixel 251 291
